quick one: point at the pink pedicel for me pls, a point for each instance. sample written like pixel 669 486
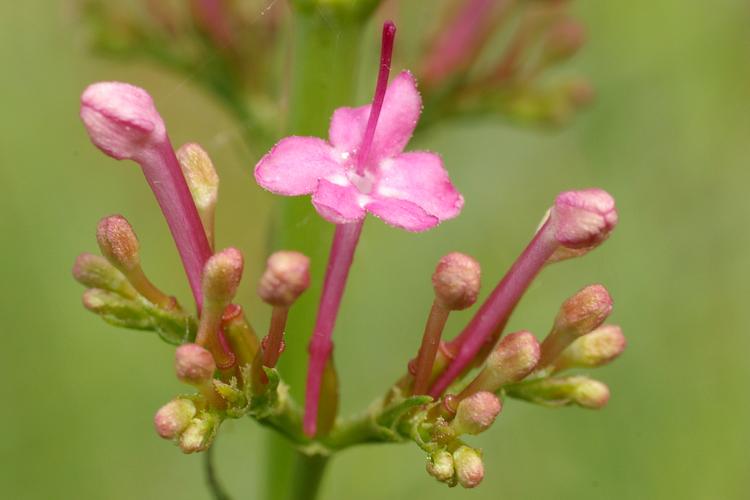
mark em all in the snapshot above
pixel 363 168
pixel 122 121
pixel 578 222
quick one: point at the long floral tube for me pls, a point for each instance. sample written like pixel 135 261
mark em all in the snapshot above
pixel 342 254
pixel 123 122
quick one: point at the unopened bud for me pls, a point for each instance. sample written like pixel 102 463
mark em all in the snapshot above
pixel 456 281
pixel 593 349
pixel 564 39
pixel 286 277
pixel 440 466
pixel 582 220
pixel 580 92
pixel 94 271
pixel 174 417
pixel 118 243
pixel 194 364
pixel 221 276
pixel 476 413
pixel 512 360
pixel 469 467
pixel 203 182
pixel 579 315
pixel 199 434
pixel 563 391
pixel 117 310
pixel 121 119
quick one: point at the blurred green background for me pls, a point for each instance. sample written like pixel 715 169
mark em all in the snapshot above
pixel 669 136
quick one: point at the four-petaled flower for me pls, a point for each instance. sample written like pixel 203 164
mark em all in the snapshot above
pixel 408 190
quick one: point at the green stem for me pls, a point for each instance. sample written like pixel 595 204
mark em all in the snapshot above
pixel 217 491
pixel 326 52
pixel 308 474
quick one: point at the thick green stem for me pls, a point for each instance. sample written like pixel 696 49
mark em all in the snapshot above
pixel 326 53
pixel 308 474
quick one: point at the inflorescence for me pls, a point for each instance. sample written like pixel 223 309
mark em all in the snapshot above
pixel 449 388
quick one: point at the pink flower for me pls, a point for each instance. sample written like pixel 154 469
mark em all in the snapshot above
pixel 408 190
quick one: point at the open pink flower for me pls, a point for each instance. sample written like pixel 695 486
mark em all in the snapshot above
pixel 408 190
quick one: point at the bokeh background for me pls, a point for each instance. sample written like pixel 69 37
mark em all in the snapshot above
pixel 669 136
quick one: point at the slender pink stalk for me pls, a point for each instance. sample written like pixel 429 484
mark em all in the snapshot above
pixel 345 241
pixel 494 313
pixel 123 122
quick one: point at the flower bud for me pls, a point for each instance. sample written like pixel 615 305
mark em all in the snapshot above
pixel 118 243
pixel 563 391
pixel 564 39
pixel 469 467
pixel 174 417
pixel 199 434
pixel 440 466
pixel 194 364
pixel 579 315
pixel 512 360
pixel 584 311
pixel 286 277
pixel 456 281
pixel 203 182
pixel 593 349
pixel 476 413
pixel 221 276
pixel 121 119
pixel 117 310
pixel 94 271
pixel 582 220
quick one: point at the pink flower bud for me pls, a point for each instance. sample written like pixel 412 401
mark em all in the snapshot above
pixel 512 360
pixel 221 276
pixel 173 418
pixel 440 466
pixel 202 181
pixel 286 277
pixel 593 349
pixel 476 413
pixel 94 271
pixel 469 467
pixel 118 243
pixel 456 281
pixel 582 220
pixel 584 311
pixel 590 393
pixel 194 364
pixel 121 119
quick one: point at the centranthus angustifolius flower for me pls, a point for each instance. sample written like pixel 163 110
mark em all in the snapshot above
pixel 361 169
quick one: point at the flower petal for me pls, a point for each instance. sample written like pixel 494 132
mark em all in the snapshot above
pixel 420 178
pixel 402 213
pixel 398 118
pixel 295 165
pixel 338 203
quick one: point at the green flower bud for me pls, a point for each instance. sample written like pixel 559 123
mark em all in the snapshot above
pixel 593 349
pixel 200 433
pixel 93 271
pixel 440 466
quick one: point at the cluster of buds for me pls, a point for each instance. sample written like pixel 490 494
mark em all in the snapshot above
pixel 361 169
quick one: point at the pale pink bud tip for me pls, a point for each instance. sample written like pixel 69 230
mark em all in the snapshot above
pixel 173 418
pixel 286 277
pixel 456 281
pixel 118 242
pixel 584 311
pixel 583 219
pixel 593 349
pixel 469 467
pixel 565 39
pixel 590 393
pixel 440 466
pixel 193 364
pixel 222 274
pixel 121 119
pixel 476 413
pixel 512 360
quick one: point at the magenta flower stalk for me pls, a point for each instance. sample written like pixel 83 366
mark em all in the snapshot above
pixel 578 222
pixel 123 122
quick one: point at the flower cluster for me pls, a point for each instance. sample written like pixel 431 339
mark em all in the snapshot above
pixel 361 169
